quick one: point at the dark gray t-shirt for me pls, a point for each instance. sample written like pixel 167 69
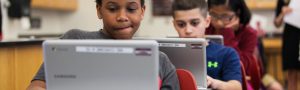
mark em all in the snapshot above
pixel 167 71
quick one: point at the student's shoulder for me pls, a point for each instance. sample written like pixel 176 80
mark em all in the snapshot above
pixel 221 48
pixel 164 61
pixel 215 46
pixel 230 53
pixel 163 58
pixel 250 30
pixel 77 34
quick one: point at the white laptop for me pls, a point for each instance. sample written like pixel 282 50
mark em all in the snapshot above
pixel 101 65
pixel 215 38
pixel 186 53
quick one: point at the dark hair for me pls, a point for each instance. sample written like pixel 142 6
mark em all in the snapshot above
pixel 238 6
pixel 190 4
pixel 99 2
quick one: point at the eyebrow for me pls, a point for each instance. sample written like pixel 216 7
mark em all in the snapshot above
pixel 111 3
pixel 128 3
pixel 188 20
pixel 198 19
pixel 179 20
pixel 131 2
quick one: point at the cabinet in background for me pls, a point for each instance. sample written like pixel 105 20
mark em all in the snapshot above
pixel 59 5
pixel 261 4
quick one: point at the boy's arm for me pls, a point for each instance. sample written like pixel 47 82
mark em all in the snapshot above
pixel 37 85
pixel 38 82
pixel 221 85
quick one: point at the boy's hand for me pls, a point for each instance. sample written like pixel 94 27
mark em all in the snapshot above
pixel 36 88
pixel 220 85
pixel 213 83
pixel 37 85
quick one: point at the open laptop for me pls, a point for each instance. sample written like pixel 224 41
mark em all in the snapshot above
pixel 186 53
pixel 101 64
pixel 215 38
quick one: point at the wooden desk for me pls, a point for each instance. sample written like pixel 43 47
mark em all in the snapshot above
pixel 19 62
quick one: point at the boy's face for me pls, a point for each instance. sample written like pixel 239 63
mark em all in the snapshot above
pixel 190 23
pixel 121 18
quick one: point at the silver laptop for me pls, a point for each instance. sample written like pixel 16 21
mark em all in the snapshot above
pixel 101 65
pixel 215 38
pixel 186 53
pixel 219 39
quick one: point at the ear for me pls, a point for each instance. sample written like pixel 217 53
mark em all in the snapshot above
pixel 143 11
pixel 98 7
pixel 208 20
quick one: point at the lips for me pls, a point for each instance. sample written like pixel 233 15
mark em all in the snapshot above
pixel 122 28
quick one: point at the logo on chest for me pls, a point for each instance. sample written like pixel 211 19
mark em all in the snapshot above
pixel 212 64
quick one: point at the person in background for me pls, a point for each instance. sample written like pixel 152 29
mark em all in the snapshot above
pixel 230 18
pixel 290 45
pixel 121 19
pixel 223 64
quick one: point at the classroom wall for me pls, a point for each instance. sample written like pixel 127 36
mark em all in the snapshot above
pixel 156 26
pixel 54 22
pixel 265 17
pixel 59 22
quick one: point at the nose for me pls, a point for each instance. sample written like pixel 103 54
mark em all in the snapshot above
pixel 122 16
pixel 188 29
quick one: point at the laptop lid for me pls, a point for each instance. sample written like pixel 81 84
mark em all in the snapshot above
pixel 186 53
pixel 101 64
pixel 215 38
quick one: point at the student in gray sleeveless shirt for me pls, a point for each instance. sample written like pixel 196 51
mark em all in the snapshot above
pixel 121 19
